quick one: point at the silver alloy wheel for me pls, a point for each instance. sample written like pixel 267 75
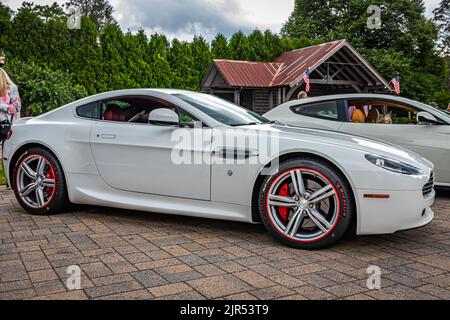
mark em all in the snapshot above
pixel 312 205
pixel 36 182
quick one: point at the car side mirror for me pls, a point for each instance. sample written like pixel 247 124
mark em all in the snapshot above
pixel 424 117
pixel 164 117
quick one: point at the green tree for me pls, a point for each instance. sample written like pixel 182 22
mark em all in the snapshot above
pixel 5 25
pixel 157 55
pixel 273 44
pixel 258 45
pixel 220 48
pixel 100 11
pixel 116 73
pixel 442 21
pixel 404 45
pixel 85 61
pixel 182 64
pixel 240 47
pixel 202 56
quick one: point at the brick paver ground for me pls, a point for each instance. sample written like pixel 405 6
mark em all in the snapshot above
pixel 133 255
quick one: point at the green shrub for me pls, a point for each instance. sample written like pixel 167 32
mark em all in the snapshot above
pixel 43 89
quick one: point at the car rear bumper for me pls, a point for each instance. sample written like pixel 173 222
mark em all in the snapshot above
pixel 403 210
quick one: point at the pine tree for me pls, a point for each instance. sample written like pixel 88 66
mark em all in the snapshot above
pixel 202 56
pixel 157 53
pixel 442 21
pixel 258 45
pixel 100 11
pixel 240 47
pixel 5 25
pixel 182 64
pixel 220 48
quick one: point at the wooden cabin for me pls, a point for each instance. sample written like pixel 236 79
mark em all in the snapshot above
pixel 336 67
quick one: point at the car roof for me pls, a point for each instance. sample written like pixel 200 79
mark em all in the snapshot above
pixel 411 102
pixel 354 96
pixel 173 91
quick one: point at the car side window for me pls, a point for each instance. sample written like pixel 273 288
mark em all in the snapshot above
pixel 401 115
pixel 89 111
pixel 380 112
pixel 327 110
pixel 137 110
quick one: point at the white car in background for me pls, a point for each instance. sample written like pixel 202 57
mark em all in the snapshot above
pixel 409 124
pixel 117 149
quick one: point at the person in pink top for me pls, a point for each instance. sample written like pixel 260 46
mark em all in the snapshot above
pixel 10 103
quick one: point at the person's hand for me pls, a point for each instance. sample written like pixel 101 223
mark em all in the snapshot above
pixel 11 110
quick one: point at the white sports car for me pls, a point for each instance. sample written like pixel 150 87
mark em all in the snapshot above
pixel 193 154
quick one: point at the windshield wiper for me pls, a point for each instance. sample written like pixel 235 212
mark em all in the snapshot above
pixel 245 124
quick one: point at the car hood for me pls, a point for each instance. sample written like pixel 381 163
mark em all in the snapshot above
pixel 345 141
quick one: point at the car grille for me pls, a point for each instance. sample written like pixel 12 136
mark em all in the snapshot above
pixel 429 187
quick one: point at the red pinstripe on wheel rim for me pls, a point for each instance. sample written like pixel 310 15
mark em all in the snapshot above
pixel 279 182
pixel 36 181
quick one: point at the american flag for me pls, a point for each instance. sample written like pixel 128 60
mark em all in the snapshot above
pixel 396 83
pixel 306 80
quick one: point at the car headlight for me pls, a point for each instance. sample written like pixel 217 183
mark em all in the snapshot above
pixel 393 165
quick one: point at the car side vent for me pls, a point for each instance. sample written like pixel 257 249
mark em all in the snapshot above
pixel 429 187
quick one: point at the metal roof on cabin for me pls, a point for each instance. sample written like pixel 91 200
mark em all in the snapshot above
pixel 296 62
pixel 283 71
pixel 247 74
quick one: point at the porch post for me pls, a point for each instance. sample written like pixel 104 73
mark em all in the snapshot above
pixel 237 97
pixel 278 96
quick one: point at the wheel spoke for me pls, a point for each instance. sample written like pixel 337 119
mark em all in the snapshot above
pixel 297 181
pixel 40 166
pixel 28 189
pixel 297 224
pixel 40 197
pixel 280 201
pixel 28 171
pixel 319 194
pixel 319 220
pixel 294 223
pixel 50 183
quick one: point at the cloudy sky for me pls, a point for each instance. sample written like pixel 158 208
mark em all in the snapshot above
pixel 185 18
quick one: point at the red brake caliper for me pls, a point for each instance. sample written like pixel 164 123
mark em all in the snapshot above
pixel 50 175
pixel 284 192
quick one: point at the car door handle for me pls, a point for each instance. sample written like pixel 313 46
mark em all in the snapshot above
pixel 108 136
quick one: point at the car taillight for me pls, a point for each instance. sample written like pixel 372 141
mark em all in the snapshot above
pixel 9 134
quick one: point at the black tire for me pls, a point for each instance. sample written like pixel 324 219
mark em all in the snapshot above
pixel 343 204
pixel 59 200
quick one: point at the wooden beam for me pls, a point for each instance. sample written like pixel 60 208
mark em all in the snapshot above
pixel 360 72
pixel 336 73
pixel 342 82
pixel 357 89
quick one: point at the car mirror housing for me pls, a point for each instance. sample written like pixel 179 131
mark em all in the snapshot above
pixel 164 117
pixel 424 117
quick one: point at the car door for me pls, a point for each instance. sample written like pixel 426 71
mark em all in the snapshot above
pixel 141 157
pixel 318 115
pixel 429 141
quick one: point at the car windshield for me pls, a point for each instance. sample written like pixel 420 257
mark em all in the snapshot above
pixel 438 110
pixel 222 110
